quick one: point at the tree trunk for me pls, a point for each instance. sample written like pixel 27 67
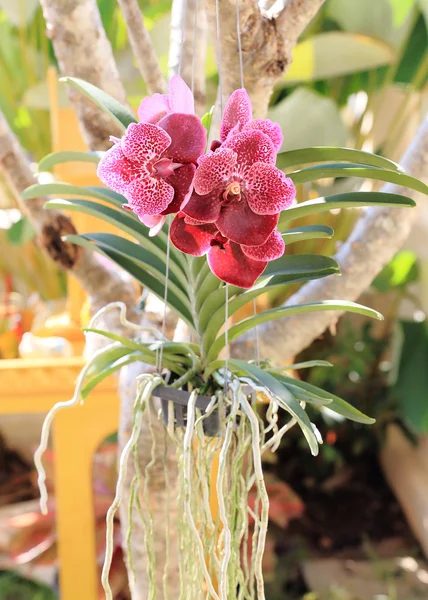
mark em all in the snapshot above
pixel 268 39
pixel 83 50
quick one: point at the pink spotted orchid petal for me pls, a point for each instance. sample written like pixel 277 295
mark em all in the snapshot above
pixel 268 190
pixel 272 249
pixel 188 137
pixel 191 239
pixel 205 209
pixel 214 169
pixel 149 196
pixel 154 222
pixel 250 147
pixel 231 265
pixel 237 113
pixel 240 224
pixel 116 171
pixel 271 129
pixel 144 142
pixel 180 96
pixel 153 108
pixel 181 181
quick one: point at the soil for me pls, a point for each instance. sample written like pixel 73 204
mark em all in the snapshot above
pixel 17 480
pixel 350 512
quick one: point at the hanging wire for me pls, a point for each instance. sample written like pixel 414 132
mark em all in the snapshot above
pixel 238 31
pixel 241 73
pixel 220 89
pixel 256 334
pixel 226 338
pixel 159 356
pixel 195 30
pixel 183 35
pixel 220 82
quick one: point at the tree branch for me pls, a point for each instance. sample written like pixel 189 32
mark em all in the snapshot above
pixel 377 236
pixel 142 46
pixel 268 39
pixel 187 55
pixel 83 50
pixel 103 284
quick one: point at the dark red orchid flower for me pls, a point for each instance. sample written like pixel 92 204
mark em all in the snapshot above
pixel 153 165
pixel 237 264
pixel 237 117
pixel 238 188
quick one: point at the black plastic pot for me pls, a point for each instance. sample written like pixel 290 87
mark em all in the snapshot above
pixel 180 400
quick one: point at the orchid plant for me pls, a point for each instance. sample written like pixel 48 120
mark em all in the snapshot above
pixel 211 229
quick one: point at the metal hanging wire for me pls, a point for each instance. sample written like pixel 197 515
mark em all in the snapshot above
pixel 241 73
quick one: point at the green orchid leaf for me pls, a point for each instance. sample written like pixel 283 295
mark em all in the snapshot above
pixel 279 313
pixel 340 170
pixel 207 120
pixel 125 221
pixel 61 189
pixel 107 358
pixel 212 313
pixel 66 156
pixel 114 337
pixel 339 406
pixel 349 200
pixel 111 369
pixel 316 154
pixel 307 232
pixel 283 396
pixel 209 285
pixel 145 259
pixel 290 264
pixel 141 275
pixel 307 364
pixel 122 115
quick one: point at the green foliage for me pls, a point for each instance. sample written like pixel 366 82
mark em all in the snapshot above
pixel 20 232
pixel 398 273
pixel 410 388
pixel 334 53
pixel 15 587
pixel 387 20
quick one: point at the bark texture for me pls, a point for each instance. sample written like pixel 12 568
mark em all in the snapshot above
pixel 142 46
pixel 377 236
pixel 268 38
pixel 188 46
pixel 83 50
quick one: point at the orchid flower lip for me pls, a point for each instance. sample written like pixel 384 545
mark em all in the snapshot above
pixel 165 167
pixel 232 193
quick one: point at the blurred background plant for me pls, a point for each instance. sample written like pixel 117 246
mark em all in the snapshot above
pixel 15 587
